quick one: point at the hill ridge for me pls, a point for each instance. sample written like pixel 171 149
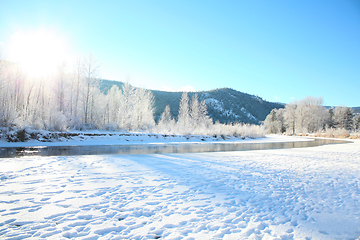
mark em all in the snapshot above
pixel 225 105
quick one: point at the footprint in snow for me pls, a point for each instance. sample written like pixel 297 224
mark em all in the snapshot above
pixel 34 209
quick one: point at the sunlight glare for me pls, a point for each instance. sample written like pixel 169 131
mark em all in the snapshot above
pixel 38 53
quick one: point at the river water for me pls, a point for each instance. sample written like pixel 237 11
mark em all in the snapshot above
pixel 10 152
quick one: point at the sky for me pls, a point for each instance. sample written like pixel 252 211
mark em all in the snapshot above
pixel 279 50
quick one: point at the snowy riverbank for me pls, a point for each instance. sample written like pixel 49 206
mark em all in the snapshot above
pixel 110 138
pixel 307 193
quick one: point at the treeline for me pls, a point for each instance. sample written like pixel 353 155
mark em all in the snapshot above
pixel 310 116
pixel 74 100
pixel 193 118
pixel 70 101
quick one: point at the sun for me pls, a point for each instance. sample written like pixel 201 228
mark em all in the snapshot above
pixel 38 53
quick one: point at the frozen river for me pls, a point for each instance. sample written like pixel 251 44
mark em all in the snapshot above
pixel 160 148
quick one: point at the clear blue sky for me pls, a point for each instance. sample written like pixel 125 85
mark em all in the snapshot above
pixel 279 50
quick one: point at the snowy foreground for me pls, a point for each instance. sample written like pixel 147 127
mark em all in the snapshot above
pixel 305 193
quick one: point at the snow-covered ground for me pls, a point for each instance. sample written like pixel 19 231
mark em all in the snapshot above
pixel 305 193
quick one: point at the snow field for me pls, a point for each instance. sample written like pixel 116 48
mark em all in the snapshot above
pixel 308 193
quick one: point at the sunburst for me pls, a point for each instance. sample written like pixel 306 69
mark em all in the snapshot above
pixel 38 53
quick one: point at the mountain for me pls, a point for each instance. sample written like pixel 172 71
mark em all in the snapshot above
pixel 225 105
pixel 356 109
pixel 105 85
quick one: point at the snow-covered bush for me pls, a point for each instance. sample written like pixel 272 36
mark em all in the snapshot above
pixel 355 135
pixel 333 133
pixel 58 122
pixel 341 133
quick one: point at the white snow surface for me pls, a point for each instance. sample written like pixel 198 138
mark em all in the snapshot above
pixel 304 193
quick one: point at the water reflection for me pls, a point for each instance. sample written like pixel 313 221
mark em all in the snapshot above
pixel 157 148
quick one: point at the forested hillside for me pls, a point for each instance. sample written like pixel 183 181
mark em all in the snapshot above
pixel 225 105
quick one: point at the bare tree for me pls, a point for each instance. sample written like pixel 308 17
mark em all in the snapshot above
pixel 290 116
pixel 91 74
pixel 75 93
pixel 313 114
pixel 114 107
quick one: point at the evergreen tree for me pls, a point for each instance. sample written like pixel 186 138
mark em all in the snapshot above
pixel 195 111
pixel 183 123
pixel 349 119
pixel 357 122
pixel 330 118
pixel 271 122
pixel 166 122
pixel 204 117
pixel 343 117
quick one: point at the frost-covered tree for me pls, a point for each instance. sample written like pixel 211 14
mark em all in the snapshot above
pixel 195 111
pixel 199 118
pixel 143 111
pixel 91 74
pixel 61 82
pixel 290 116
pixel 271 122
pixel 11 93
pixel 343 118
pixel 306 115
pixel 204 118
pixel 166 122
pixel 280 120
pixel 183 122
pixel 76 96
pixel 128 92
pixel 113 108
pixel 275 121
pixel 312 114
